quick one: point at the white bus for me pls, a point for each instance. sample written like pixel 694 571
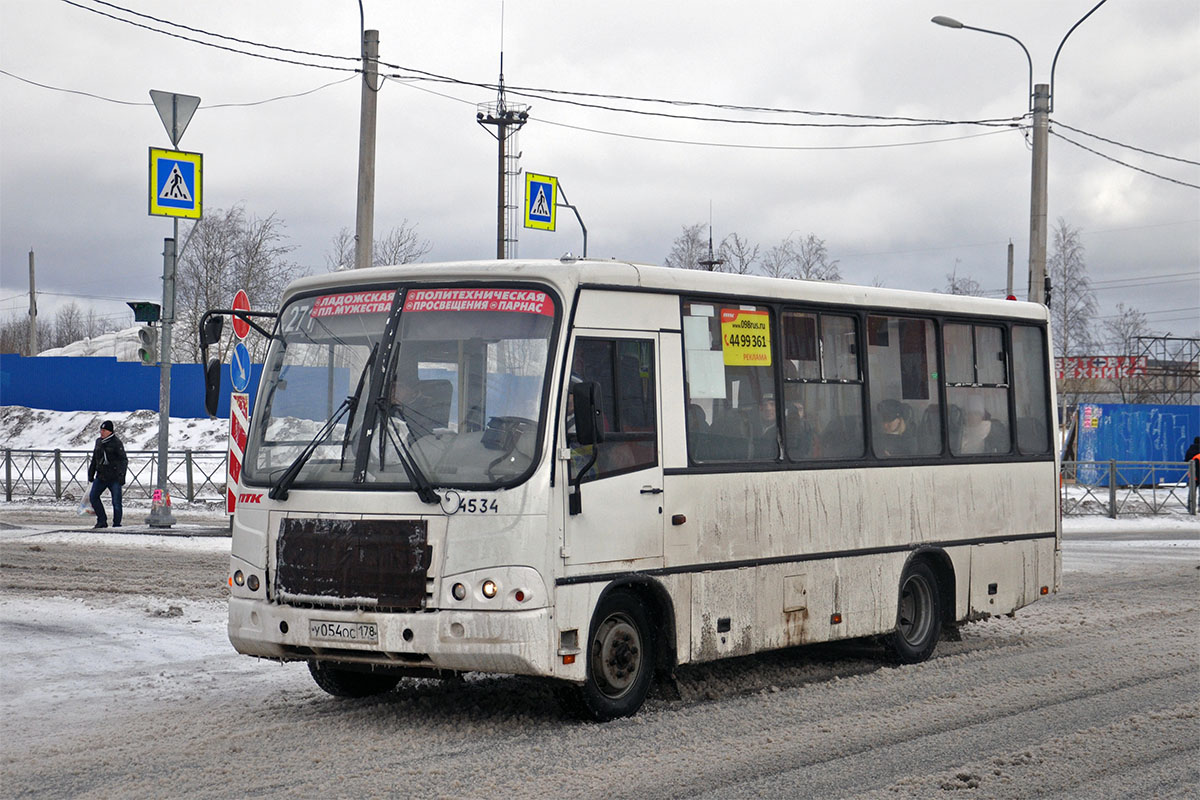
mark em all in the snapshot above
pixel 595 471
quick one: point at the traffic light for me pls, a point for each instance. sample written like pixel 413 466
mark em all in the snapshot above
pixel 148 341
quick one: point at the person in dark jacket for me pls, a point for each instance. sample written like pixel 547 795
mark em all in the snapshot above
pixel 107 471
pixel 1192 456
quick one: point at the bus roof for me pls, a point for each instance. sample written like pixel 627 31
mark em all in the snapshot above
pixel 568 274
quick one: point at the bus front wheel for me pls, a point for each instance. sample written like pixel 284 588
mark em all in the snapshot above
pixel 350 683
pixel 620 659
pixel 918 615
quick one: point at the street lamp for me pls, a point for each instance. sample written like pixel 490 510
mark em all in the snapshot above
pixel 1041 103
pixel 950 22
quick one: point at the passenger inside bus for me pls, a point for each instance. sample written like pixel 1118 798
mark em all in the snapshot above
pixel 895 436
pixel 981 433
pixel 764 441
pixel 797 429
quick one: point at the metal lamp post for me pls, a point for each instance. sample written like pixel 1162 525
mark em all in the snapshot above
pixel 1041 103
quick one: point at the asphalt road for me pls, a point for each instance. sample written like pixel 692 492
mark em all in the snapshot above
pixel 118 682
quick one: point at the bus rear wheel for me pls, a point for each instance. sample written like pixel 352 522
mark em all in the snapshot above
pixel 918 615
pixel 350 683
pixel 620 660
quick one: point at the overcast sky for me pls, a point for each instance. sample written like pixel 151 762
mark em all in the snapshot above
pixel 903 206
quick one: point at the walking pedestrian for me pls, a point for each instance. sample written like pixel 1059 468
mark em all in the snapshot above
pixel 107 472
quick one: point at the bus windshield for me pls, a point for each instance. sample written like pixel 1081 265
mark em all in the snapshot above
pixel 455 396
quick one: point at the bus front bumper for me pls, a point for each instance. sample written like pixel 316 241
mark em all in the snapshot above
pixel 513 642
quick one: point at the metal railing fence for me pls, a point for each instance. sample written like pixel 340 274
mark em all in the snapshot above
pixel 1088 487
pixel 1130 487
pixel 194 475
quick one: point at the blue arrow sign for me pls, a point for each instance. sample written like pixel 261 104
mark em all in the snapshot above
pixel 239 367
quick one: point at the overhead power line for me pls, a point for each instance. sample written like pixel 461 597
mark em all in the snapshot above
pixel 1127 146
pixel 553 96
pixel 549 95
pixel 539 120
pixel 206 105
pixel 1122 163
pixel 571 97
pixel 221 35
pixel 213 44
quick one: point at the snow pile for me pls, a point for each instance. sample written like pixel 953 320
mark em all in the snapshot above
pixel 37 429
pixel 121 345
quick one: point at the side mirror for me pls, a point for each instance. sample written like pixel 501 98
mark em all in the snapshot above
pixel 588 427
pixel 212 386
pixel 210 330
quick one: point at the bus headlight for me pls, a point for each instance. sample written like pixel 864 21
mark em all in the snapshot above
pixel 252 582
pixel 459 591
pixel 239 579
pixel 488 588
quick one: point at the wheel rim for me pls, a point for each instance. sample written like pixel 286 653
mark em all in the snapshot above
pixel 916 610
pixel 616 655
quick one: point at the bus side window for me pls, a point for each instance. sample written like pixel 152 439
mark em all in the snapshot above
pixel 977 389
pixel 730 382
pixel 903 374
pixel 624 370
pixel 1029 382
pixel 822 387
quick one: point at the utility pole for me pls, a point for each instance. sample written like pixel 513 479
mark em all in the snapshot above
pixel 364 223
pixel 33 348
pixel 1008 287
pixel 507 120
pixel 1037 195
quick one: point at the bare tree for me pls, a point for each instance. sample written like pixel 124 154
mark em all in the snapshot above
pixel 1120 331
pixel 94 325
pixel 812 261
pixel 806 259
pixel 688 248
pixel 341 253
pixel 963 285
pixel 1072 302
pixel 69 325
pixel 14 335
pixel 779 261
pixel 227 251
pixel 401 245
pixel 738 254
pixel 1119 335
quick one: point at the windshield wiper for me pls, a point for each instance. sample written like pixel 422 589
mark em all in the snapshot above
pixel 362 378
pixel 420 483
pixel 279 491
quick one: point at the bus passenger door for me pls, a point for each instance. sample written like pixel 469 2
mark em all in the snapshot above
pixel 621 494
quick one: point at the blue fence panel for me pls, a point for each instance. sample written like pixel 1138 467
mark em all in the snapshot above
pixel 1125 432
pixel 104 384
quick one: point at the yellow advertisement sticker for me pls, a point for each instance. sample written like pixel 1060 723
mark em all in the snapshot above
pixel 746 337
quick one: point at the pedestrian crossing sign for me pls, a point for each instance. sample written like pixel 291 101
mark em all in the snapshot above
pixel 541 198
pixel 176 183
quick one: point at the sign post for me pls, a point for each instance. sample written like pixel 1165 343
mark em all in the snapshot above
pixel 541 198
pixel 239 421
pixel 239 401
pixel 176 188
pixel 544 194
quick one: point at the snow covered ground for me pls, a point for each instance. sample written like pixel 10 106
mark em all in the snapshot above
pixel 24 428
pixel 117 679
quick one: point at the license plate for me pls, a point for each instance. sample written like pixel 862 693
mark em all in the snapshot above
pixel 353 632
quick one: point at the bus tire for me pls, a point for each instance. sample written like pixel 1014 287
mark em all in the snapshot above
pixel 620 659
pixel 918 615
pixel 350 683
